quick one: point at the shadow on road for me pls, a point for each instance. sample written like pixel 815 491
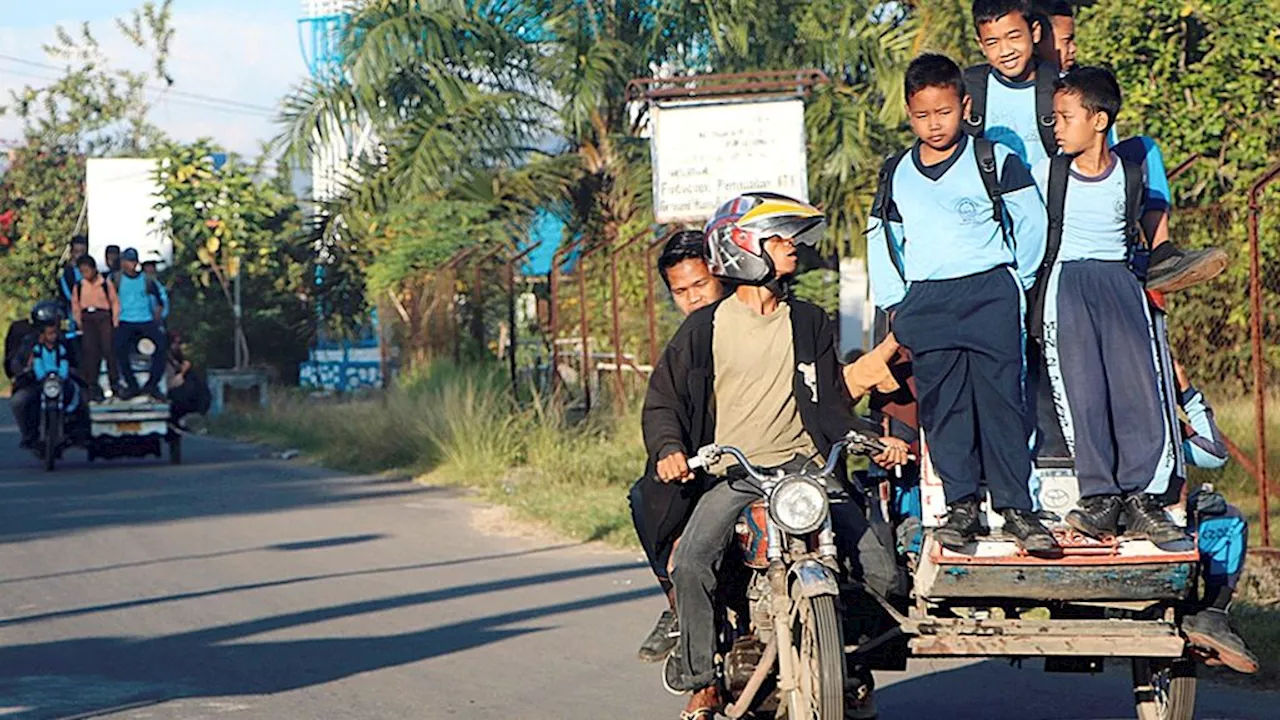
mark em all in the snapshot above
pixel 997 690
pixel 209 663
pixel 220 479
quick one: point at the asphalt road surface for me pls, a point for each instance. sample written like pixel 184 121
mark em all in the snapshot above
pixel 242 587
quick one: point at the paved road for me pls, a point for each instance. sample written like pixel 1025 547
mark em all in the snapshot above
pixel 242 587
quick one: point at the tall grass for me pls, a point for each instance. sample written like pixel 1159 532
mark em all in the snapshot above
pixel 461 426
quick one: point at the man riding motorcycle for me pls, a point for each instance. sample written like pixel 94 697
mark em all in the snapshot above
pixel 40 353
pixel 757 370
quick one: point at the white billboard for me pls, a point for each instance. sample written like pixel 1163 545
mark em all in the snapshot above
pixel 122 194
pixel 706 153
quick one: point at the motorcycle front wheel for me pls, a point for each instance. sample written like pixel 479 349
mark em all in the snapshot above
pixel 820 665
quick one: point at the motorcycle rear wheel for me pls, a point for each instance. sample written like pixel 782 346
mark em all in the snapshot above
pixel 821 667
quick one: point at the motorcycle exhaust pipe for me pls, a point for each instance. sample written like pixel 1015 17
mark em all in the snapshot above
pixel 748 696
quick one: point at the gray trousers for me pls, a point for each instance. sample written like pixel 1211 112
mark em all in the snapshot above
pixel 698 559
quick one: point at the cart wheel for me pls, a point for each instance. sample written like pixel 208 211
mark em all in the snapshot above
pixel 1164 689
pixel 175 450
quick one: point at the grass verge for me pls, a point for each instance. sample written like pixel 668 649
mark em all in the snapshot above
pixel 461 427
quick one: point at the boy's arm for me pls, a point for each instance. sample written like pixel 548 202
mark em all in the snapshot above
pixel 887 286
pixel 1204 446
pixel 75 307
pixel 114 299
pixel 1027 214
pixel 164 302
pixel 62 284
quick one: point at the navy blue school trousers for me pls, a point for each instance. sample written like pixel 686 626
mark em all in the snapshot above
pixel 1101 360
pixel 966 340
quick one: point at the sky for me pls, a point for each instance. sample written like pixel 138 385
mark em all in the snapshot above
pixel 245 51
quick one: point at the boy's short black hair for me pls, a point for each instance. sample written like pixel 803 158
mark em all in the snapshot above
pixel 86 260
pixel 985 11
pixel 1053 8
pixel 113 248
pixel 1096 87
pixel 933 70
pixel 684 245
pixel 78 240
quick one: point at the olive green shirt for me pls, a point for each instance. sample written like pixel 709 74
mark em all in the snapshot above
pixel 755 372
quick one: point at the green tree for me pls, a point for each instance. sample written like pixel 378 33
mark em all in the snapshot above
pixel 92 109
pixel 230 225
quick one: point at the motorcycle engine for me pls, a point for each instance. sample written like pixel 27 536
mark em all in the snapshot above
pixel 740 662
pixel 760 598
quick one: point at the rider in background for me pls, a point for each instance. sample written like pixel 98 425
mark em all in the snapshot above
pixel 44 353
pixel 138 319
pixel 659 510
pixel 96 310
pixel 757 370
pixel 160 300
pixel 112 257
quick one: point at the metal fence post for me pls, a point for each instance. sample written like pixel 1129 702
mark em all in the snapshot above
pixel 1255 336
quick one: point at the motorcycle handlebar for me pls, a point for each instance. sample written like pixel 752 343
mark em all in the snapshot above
pixel 860 443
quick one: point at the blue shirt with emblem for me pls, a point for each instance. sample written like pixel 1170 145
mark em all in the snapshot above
pixel 941 223
pixel 1093 218
pixel 135 299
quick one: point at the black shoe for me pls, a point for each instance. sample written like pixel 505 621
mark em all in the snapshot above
pixel 662 638
pixel 964 522
pixel 156 395
pixel 1029 533
pixel 1144 517
pixel 1211 630
pixel 1097 516
pixel 1174 269
pixel 125 394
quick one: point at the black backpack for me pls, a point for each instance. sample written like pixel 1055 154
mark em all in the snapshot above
pixel 1056 201
pixel 984 152
pixel 975 82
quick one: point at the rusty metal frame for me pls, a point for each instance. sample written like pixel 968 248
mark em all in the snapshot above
pixel 510 276
pixel 650 301
pixel 959 637
pixel 583 329
pixel 620 388
pixel 559 258
pixel 1255 336
pixel 721 85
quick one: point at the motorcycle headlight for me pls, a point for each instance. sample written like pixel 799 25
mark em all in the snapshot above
pixel 51 388
pixel 146 347
pixel 798 505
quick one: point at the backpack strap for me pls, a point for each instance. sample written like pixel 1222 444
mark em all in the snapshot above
pixel 880 205
pixel 1135 192
pixel 1056 203
pixel 984 151
pixel 975 83
pixel 1046 79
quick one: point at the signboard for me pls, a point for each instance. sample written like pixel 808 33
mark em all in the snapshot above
pixel 706 153
pixel 122 194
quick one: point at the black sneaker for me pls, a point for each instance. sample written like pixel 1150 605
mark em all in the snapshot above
pixel 1144 517
pixel 1029 533
pixel 964 522
pixel 1175 269
pixel 1097 516
pixel 662 638
pixel 1210 629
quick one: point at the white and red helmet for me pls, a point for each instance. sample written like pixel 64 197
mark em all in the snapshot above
pixel 736 234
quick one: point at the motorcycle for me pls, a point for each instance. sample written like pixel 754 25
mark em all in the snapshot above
pixel 784 605
pixel 55 434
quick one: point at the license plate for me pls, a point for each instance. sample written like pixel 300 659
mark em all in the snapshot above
pixel 129 427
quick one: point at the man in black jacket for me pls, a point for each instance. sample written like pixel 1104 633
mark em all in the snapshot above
pixel 659 510
pixel 758 371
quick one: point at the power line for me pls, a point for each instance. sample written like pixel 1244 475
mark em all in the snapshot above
pixel 155 88
pixel 164 97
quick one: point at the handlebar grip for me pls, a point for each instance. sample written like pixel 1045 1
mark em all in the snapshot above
pixel 697 463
